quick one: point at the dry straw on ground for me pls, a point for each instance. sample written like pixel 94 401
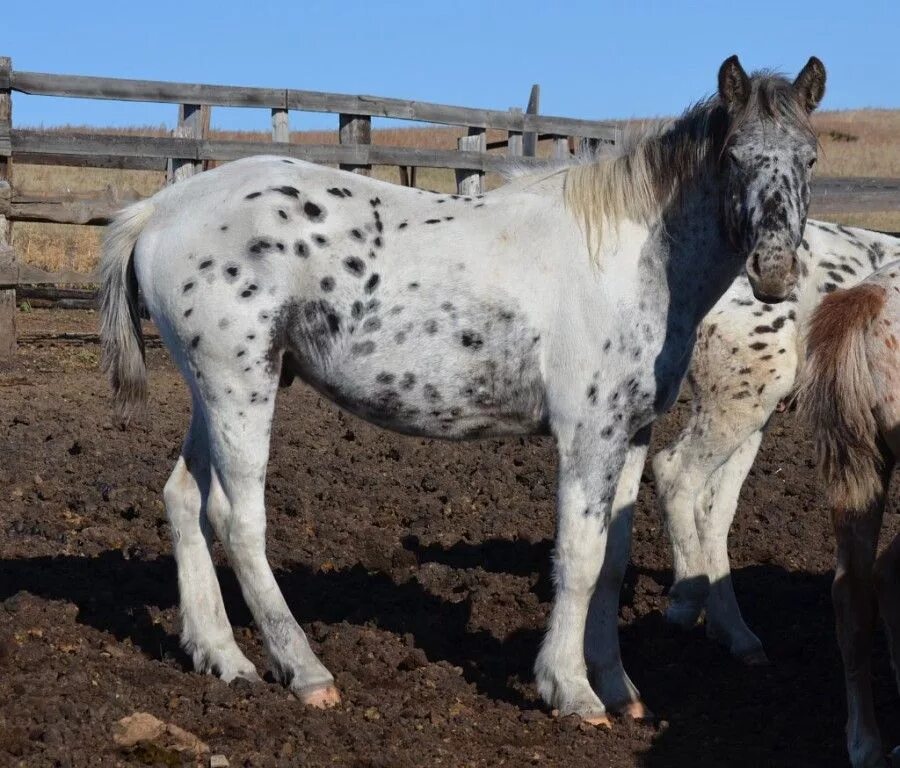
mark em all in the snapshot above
pixel 853 143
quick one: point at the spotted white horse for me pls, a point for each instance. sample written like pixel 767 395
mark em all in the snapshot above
pixel 745 362
pixel 566 302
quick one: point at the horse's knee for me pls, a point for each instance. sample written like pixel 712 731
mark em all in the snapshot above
pixel 181 495
pixel 218 510
pixel 665 470
pixel 840 588
pixel 885 577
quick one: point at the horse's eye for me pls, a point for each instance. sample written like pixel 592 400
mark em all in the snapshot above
pixel 733 156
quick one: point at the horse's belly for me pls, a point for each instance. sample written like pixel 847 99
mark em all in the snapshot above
pixel 461 372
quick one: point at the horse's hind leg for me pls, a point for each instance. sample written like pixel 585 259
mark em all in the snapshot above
pixel 887 587
pixel 205 631
pixel 239 426
pixel 853 595
pixel 715 511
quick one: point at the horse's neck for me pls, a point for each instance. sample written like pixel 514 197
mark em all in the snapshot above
pixel 699 262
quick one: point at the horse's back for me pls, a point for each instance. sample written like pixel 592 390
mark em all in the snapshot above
pixel 422 312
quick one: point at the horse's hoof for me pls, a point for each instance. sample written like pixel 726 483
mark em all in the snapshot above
pixel 600 721
pixel 754 658
pixel 250 675
pixel 683 615
pixel 637 710
pixel 321 697
pixel 894 757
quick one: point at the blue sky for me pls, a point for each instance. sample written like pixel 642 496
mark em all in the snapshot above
pixel 593 59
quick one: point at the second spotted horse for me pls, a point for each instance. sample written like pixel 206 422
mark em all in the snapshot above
pixel 564 303
pixel 745 363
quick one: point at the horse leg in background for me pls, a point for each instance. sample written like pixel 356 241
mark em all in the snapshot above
pixel 734 392
pixel 853 595
pixel 887 588
pixel 677 488
pixel 590 462
pixel 683 472
pixel 715 513
pixel 601 642
pixel 887 565
pixel 239 448
pixel 205 631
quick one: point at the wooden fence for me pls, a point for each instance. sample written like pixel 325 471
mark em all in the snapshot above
pixel 191 147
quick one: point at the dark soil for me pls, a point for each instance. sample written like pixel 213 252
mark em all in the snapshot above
pixel 419 569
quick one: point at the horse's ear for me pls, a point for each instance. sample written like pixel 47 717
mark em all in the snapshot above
pixel 810 84
pixel 734 85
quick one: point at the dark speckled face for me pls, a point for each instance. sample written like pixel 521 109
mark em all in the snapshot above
pixel 765 173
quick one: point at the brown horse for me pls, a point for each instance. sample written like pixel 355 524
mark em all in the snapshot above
pixel 850 395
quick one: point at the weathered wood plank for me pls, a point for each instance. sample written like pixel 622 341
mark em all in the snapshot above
pixel 408 175
pixel 52 293
pixel 529 139
pixel 854 195
pixel 471 183
pixel 116 162
pixel 41 145
pixel 95 208
pixel 120 89
pixel 29 275
pixel 7 254
pixel 355 131
pixel 281 127
pixel 560 148
pixel 9 269
pixel 193 123
pixel 310 101
pixel 7 325
pixel 514 139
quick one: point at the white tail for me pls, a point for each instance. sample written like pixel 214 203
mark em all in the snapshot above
pixel 120 325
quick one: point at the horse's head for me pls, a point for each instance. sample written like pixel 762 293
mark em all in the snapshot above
pixel 767 157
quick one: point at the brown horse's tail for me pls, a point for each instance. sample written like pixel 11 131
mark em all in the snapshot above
pixel 837 396
pixel 121 336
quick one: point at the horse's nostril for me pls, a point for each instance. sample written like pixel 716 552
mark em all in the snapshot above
pixel 754 266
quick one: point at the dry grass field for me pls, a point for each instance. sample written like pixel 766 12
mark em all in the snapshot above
pixel 853 143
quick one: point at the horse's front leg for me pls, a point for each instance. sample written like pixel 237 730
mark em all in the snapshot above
pixel 601 643
pixel 591 455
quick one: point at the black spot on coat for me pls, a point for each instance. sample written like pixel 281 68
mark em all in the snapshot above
pixel 313 211
pixel 355 266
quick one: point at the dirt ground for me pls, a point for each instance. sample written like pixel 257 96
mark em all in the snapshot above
pixel 420 571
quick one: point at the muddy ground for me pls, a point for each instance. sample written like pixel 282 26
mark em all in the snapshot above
pixel 420 571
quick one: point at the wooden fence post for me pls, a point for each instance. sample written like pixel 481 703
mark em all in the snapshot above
pixel 560 147
pixel 281 126
pixel 7 255
pixel 468 182
pixel 514 139
pixel 529 140
pixel 354 130
pixel 193 123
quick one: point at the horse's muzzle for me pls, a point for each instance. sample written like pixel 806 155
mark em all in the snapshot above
pixel 773 275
